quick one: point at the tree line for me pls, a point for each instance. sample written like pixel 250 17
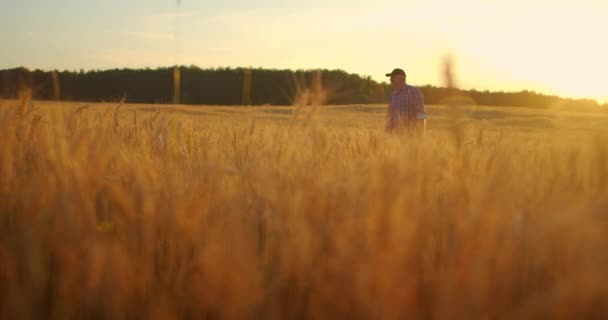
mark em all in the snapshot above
pixel 242 86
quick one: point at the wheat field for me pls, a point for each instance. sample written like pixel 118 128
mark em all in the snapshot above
pixel 184 212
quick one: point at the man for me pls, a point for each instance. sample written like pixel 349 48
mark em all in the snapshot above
pixel 406 106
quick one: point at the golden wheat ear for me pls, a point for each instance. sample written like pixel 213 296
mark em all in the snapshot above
pixel 25 100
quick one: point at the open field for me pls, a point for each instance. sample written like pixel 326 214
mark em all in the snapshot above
pixel 511 120
pixel 179 212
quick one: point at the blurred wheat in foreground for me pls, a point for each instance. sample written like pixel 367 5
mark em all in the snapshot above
pixel 114 214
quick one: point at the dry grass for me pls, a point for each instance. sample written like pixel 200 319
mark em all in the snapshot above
pixel 135 214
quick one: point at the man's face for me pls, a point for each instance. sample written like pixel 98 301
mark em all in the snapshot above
pixel 397 80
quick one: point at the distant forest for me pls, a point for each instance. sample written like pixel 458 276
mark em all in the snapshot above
pixel 241 86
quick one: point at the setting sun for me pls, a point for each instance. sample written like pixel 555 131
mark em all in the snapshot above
pixel 554 47
pixel 280 159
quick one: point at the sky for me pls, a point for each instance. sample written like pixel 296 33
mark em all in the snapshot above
pixel 550 46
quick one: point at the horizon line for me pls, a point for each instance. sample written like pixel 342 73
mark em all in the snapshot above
pixel 600 102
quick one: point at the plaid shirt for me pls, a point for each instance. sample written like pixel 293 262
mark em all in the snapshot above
pixel 404 104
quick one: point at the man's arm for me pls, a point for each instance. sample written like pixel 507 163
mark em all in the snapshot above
pixel 419 101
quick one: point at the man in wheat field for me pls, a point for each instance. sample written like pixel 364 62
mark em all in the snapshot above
pixel 406 107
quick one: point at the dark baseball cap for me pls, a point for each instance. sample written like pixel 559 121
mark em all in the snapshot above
pixel 396 72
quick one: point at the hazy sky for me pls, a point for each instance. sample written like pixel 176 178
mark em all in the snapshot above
pixel 551 46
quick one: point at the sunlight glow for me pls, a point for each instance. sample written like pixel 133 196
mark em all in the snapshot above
pixel 556 47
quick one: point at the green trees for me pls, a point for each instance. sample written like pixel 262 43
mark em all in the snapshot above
pixel 237 86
